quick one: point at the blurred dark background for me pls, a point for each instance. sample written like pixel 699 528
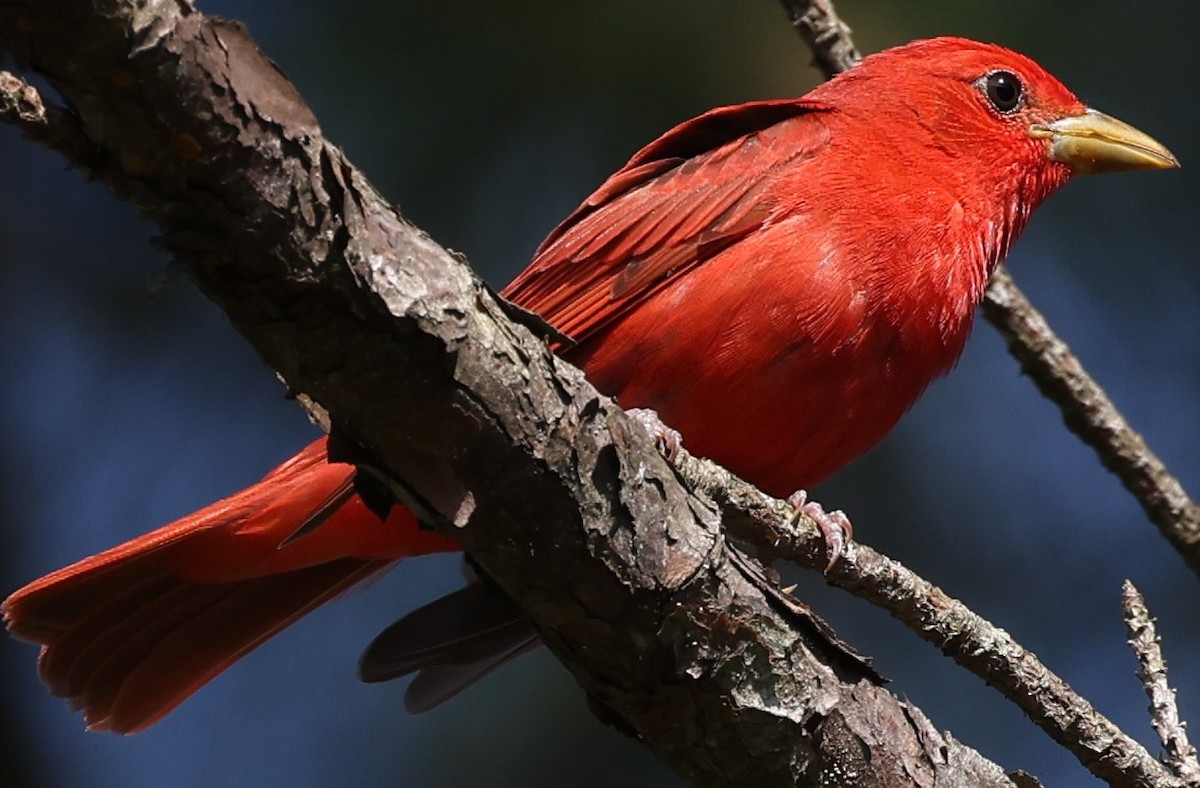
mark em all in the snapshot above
pixel 128 400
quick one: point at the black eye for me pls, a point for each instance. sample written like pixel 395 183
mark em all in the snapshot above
pixel 1004 90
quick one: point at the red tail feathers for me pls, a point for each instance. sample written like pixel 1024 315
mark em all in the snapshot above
pixel 129 634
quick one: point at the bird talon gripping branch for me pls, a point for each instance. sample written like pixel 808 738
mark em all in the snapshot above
pixel 835 527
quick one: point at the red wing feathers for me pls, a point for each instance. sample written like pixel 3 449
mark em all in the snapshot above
pixel 679 201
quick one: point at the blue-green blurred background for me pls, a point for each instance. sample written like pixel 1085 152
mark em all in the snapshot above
pixel 128 401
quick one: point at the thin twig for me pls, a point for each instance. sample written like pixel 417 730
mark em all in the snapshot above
pixel 1152 670
pixel 1089 413
pixel 970 640
pixel 825 33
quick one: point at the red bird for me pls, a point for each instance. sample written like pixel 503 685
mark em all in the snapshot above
pixel 779 280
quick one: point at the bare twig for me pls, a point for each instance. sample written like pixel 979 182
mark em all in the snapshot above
pixel 1092 416
pixel 970 640
pixel 825 33
pixel 1143 639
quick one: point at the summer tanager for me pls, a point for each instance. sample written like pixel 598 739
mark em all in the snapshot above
pixel 779 280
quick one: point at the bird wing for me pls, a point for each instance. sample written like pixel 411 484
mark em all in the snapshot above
pixel 701 187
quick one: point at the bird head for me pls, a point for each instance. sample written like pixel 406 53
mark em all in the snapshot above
pixel 972 100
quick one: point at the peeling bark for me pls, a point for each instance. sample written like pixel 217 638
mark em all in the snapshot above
pixel 551 488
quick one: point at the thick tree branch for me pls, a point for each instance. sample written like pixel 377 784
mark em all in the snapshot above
pixel 554 492
pixel 625 572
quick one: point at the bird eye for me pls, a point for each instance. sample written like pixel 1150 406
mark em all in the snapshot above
pixel 1004 90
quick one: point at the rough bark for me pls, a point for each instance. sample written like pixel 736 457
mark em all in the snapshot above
pixel 564 501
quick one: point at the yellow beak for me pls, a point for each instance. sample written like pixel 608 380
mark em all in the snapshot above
pixel 1095 142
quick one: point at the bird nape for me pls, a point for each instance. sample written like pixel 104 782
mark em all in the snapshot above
pixel 779 280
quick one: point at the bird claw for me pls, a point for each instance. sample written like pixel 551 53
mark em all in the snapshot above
pixel 835 526
pixel 668 441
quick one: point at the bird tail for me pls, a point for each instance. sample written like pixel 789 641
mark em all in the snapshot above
pixel 129 634
pixel 450 644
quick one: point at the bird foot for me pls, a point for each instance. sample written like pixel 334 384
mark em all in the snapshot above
pixel 835 526
pixel 668 441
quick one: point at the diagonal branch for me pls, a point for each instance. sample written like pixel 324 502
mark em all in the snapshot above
pixel 1091 415
pixel 970 640
pixel 625 572
pixel 548 485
